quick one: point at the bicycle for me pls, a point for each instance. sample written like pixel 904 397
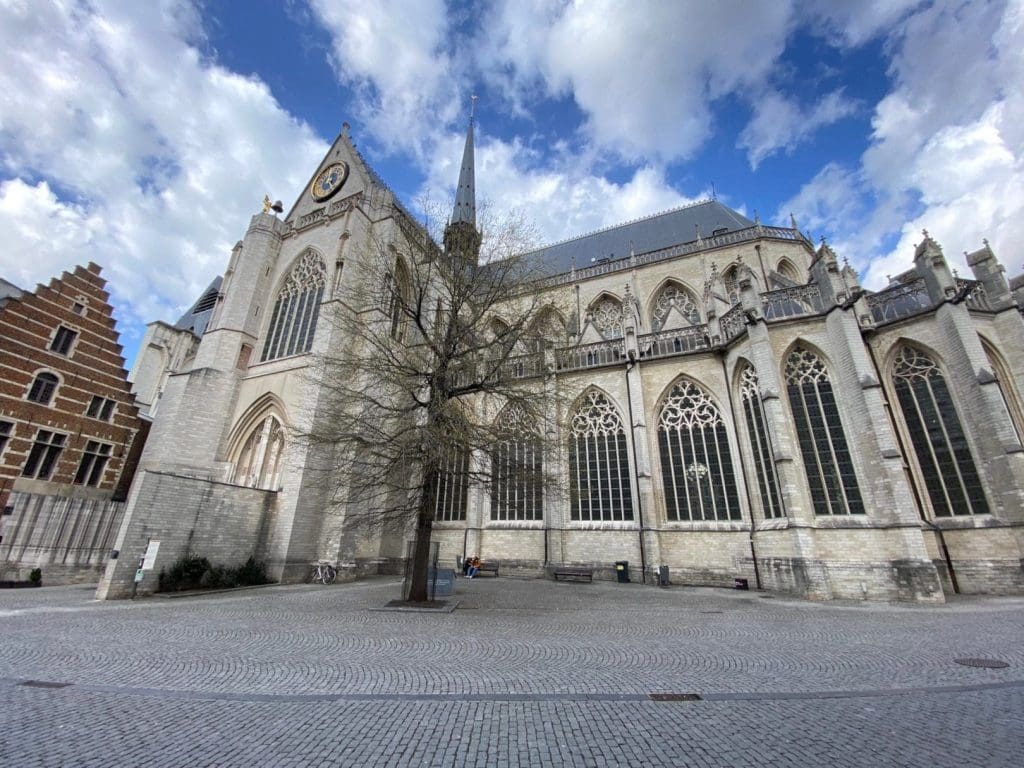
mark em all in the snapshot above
pixel 324 573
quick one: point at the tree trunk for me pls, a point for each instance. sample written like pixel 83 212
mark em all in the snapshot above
pixel 420 560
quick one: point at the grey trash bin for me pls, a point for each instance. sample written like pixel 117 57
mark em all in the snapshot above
pixel 662 575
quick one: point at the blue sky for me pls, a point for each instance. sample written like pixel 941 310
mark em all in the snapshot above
pixel 143 136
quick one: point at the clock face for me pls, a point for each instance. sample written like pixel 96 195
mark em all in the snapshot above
pixel 328 181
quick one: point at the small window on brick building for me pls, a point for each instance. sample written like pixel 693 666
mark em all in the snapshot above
pixel 101 408
pixel 42 459
pixel 78 308
pixel 63 341
pixel 43 387
pixel 94 461
pixel 6 428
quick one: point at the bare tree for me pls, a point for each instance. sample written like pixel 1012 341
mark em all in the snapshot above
pixel 427 347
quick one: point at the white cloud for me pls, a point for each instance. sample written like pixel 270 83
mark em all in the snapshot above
pixel 123 146
pixel 947 151
pixel 393 55
pixel 780 123
pixel 644 74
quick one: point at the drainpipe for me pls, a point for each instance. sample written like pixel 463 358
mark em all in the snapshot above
pixel 910 476
pixel 632 439
pixel 743 472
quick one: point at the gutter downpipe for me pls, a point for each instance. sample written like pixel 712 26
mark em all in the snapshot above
pixel 746 480
pixel 630 363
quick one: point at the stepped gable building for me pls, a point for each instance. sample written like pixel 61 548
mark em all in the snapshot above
pixel 69 427
pixel 734 405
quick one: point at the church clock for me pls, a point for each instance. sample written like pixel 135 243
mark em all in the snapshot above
pixel 328 181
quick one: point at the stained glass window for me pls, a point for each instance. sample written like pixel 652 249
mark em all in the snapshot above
pixel 696 464
pixel 760 444
pixel 826 455
pixel 943 455
pixel 293 321
pixel 599 482
pixel 516 469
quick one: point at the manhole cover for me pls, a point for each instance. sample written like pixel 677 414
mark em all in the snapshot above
pixel 674 697
pixel 984 663
pixel 44 684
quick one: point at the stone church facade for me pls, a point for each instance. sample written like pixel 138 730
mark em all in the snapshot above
pixel 733 405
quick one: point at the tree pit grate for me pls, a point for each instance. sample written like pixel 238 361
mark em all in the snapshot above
pixel 674 697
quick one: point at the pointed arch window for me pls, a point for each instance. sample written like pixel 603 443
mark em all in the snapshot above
pixel 599 483
pixel 696 464
pixel 1004 381
pixel 607 316
pixel 760 444
pixel 259 461
pixel 731 282
pixel 940 444
pixel 674 295
pixel 296 310
pixel 826 455
pixel 451 484
pixel 517 466
pixel 396 287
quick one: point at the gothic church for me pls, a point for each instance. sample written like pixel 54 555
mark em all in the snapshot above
pixel 734 405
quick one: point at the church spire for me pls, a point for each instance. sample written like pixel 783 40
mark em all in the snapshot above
pixel 465 195
pixel 460 236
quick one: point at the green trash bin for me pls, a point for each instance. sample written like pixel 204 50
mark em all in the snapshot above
pixel 622 571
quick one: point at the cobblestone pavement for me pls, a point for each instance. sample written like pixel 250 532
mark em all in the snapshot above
pixel 520 673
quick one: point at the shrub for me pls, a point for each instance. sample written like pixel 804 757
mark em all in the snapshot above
pixel 36 575
pixel 194 572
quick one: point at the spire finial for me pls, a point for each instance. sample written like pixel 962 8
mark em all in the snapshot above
pixel 472 107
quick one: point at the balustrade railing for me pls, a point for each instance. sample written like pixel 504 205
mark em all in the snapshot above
pixel 522 367
pixel 679 341
pixel 589 355
pixel 792 302
pixel 732 323
pixel 903 300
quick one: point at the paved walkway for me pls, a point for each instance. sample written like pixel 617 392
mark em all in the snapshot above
pixel 521 673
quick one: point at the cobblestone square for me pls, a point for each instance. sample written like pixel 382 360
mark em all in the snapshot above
pixel 520 673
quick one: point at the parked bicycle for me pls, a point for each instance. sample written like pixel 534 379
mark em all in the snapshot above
pixel 324 573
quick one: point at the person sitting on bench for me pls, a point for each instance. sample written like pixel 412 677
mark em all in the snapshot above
pixel 474 567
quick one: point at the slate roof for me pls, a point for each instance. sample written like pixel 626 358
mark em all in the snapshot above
pixel 198 317
pixel 679 225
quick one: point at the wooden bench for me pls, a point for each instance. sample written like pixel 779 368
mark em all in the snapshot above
pixel 572 573
pixel 489 566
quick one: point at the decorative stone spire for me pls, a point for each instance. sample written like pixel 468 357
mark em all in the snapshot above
pixel 465 195
pixel 460 236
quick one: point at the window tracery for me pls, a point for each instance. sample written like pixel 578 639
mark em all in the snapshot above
pixel 297 308
pixel 937 435
pixel 259 461
pixel 599 481
pixel 677 296
pixel 607 317
pixel 823 446
pixel 696 463
pixel 516 469
pixel 760 443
